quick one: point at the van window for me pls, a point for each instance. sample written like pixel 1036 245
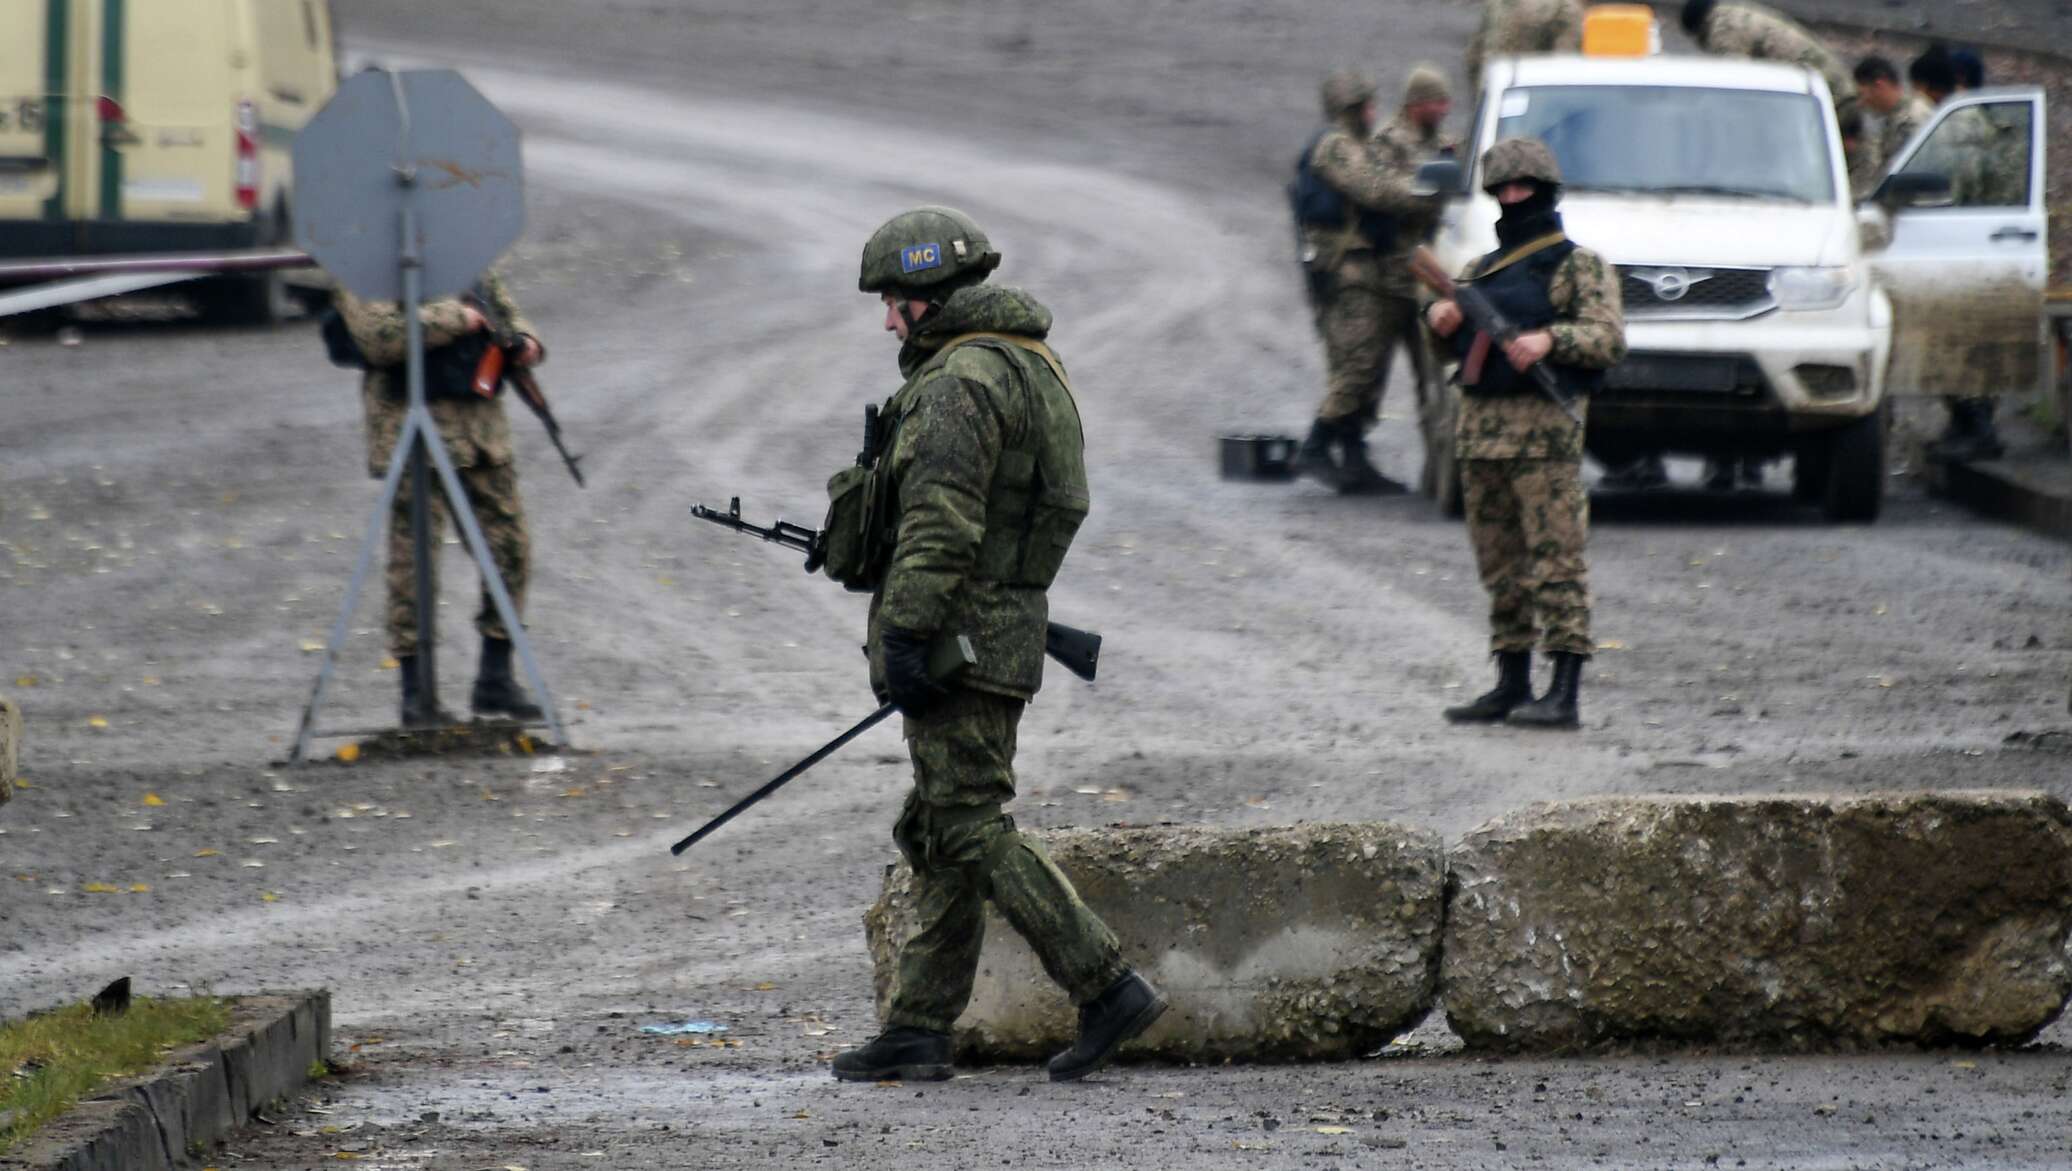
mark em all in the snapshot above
pixel 1750 144
pixel 178 64
pixel 286 66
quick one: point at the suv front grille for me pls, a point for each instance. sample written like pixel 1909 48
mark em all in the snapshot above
pixel 1694 293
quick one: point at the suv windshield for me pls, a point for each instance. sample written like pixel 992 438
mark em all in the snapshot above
pixel 1672 140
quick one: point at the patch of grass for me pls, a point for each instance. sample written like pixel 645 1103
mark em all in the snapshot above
pixel 49 1062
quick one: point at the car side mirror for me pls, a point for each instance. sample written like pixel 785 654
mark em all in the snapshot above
pixel 1440 177
pixel 1903 189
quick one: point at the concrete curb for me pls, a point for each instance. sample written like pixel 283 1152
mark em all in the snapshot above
pixel 165 1119
pixel 2002 492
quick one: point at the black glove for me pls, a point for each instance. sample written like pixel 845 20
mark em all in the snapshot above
pixel 914 692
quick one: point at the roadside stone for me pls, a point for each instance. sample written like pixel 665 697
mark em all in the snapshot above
pixel 1308 942
pixel 1786 922
pixel 10 747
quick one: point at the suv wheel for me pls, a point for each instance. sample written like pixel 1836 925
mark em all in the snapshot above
pixel 1437 408
pixel 1856 469
pixel 1809 466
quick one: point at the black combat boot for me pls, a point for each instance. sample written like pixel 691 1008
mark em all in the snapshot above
pixel 1358 476
pixel 421 710
pixel 1970 435
pixel 1126 1009
pixel 1313 458
pixel 496 693
pixel 1636 475
pixel 1513 687
pixel 1557 708
pixel 900 1054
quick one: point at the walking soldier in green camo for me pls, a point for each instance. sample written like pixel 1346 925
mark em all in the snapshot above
pixel 1520 454
pixel 477 436
pixel 957 523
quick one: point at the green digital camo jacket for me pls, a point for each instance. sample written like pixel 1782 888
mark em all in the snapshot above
pixel 1589 330
pixel 1751 30
pixel 958 430
pixel 476 431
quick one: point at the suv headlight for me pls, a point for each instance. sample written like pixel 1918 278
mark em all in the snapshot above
pixel 1811 288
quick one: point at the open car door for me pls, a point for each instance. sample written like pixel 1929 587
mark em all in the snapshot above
pixel 1966 276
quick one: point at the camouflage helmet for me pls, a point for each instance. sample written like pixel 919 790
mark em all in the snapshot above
pixel 1519 160
pixel 925 248
pixel 1426 83
pixel 1346 89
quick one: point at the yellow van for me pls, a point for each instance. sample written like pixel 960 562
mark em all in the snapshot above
pixel 136 126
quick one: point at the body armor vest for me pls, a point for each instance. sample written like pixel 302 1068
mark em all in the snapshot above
pixel 1521 291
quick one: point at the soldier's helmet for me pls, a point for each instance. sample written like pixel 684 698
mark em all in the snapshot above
pixel 926 248
pixel 1346 89
pixel 1426 83
pixel 1519 160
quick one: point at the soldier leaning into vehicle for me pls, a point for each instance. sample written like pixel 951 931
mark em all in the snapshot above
pixel 1740 29
pixel 1899 113
pixel 477 436
pixel 1523 26
pixel 1520 454
pixel 1361 311
pixel 976 489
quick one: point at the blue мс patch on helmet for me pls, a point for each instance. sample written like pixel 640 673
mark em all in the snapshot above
pixel 920 257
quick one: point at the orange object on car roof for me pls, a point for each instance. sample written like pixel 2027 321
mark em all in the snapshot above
pixel 1621 30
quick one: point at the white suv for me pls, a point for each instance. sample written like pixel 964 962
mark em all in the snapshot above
pixel 1766 312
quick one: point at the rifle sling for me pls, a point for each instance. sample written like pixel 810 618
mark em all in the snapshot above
pixel 1527 249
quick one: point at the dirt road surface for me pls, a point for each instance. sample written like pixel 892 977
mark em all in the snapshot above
pixel 181 508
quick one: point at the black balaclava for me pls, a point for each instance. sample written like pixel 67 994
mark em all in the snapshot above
pixel 1530 218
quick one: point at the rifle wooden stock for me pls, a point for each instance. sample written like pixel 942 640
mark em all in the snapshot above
pixel 1478 314
pixel 489 371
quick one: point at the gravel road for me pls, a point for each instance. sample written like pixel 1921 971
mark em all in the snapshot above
pixel 179 509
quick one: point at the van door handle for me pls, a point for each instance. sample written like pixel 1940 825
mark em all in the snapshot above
pixel 2013 234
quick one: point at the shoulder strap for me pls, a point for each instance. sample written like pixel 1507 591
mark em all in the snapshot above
pixel 1496 261
pixel 1028 344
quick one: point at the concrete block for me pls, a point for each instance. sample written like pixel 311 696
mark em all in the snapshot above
pixel 1775 922
pixel 1308 942
pixel 10 747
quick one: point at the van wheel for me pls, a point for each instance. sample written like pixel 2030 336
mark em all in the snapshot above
pixel 1856 469
pixel 257 299
pixel 260 298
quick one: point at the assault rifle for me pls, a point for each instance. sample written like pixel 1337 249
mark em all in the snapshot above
pixel 1484 317
pixel 1079 651
pixel 498 364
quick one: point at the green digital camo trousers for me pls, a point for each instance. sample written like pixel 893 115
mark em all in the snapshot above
pixel 1528 520
pixel 492 491
pixel 965 851
pixel 1362 329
